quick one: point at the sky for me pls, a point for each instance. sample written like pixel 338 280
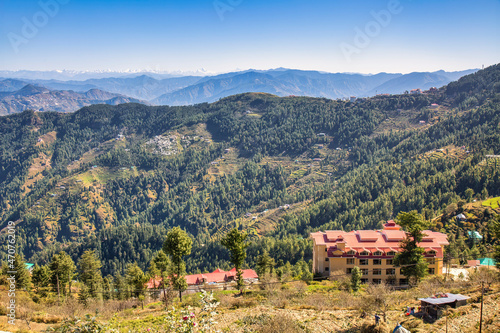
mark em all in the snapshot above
pixel 363 36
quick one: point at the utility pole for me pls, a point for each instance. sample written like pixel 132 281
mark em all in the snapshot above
pixel 58 293
pixel 447 267
pixel 447 319
pixel 481 315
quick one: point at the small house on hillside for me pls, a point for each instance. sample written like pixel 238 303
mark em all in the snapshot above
pixel 29 267
pixel 487 262
pixel 474 235
pixel 435 306
pixel 472 263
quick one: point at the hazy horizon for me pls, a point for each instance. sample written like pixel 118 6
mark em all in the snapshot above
pixel 222 36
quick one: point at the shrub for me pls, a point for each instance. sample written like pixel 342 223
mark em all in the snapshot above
pixel 88 325
pixel 280 323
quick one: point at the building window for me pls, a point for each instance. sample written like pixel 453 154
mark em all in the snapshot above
pixel 377 281
pixel 431 253
pixel 377 272
pixel 390 271
pixel 351 253
pixel 391 253
pixel 326 250
pixel 364 271
pixel 326 259
pixel 365 253
pixel 363 261
pixel 403 282
pixel 327 268
pixel 431 261
pixel 391 281
pixel 377 261
pixel 378 253
pixel 350 261
pixel 431 270
pixel 364 280
pixel 349 271
pixel 389 262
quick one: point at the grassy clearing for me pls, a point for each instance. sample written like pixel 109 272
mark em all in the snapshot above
pixel 47 139
pixel 494 203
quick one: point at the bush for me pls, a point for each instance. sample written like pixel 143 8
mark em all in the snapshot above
pixel 280 323
pixel 46 319
pixel 88 325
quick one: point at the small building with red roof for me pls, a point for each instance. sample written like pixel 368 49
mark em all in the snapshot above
pixel 373 251
pixel 218 276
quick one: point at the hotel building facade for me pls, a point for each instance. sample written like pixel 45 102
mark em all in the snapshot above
pixel 373 251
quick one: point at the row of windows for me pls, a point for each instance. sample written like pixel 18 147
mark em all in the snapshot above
pixel 388 271
pixel 364 262
pixel 402 282
pixel 367 253
pixel 380 253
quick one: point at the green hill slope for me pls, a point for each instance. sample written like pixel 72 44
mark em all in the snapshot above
pixel 115 178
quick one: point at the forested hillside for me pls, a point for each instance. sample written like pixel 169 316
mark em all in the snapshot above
pixel 116 178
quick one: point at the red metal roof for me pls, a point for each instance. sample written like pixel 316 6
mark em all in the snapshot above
pixel 372 240
pixel 217 276
pixel 473 263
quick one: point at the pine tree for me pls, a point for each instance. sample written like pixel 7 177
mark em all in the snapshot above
pixel 107 287
pixel 122 288
pixel 136 278
pixel 356 275
pixel 265 264
pixel 23 277
pixel 234 241
pixel 41 278
pixel 62 270
pixel 411 258
pixel 90 272
pixel 84 295
pixel 161 261
pixel 177 245
pixel 153 272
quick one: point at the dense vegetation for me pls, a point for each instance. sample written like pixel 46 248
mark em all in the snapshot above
pixel 92 180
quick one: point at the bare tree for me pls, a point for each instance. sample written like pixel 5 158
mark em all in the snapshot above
pixel 343 280
pixel 378 298
pixel 484 275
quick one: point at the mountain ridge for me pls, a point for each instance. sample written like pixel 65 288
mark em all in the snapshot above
pixel 40 98
pixel 186 90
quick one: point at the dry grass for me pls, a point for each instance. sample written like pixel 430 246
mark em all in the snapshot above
pixel 293 307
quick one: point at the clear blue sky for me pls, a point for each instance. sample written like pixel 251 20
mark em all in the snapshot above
pixel 187 35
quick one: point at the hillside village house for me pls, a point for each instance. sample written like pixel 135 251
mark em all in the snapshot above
pixel 373 251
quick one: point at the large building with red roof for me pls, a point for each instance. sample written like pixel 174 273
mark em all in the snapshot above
pixel 336 251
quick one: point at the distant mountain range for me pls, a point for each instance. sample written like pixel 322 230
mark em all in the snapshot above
pixel 40 98
pixel 164 89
